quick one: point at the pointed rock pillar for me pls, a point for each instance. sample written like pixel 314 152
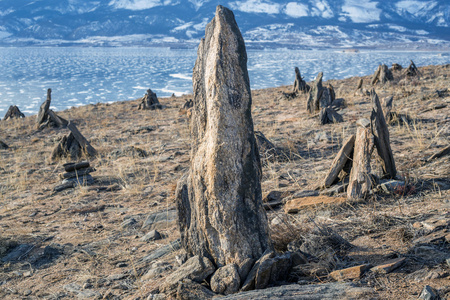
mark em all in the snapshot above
pixel 381 137
pixel 43 110
pixel 219 201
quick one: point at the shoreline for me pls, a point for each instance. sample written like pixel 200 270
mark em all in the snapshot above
pixel 184 94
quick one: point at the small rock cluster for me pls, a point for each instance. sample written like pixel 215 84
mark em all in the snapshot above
pixel 76 174
pixel 382 75
pixel 412 70
pixel 13 113
pixel 300 86
pixel 150 101
pixel 321 99
pixel 354 158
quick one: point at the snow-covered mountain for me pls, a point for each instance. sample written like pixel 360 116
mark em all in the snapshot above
pixel 407 24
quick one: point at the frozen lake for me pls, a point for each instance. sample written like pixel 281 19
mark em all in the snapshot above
pixel 79 76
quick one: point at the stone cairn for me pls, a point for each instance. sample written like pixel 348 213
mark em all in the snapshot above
pixel 75 174
pixel 321 99
pixel 382 75
pixel 13 113
pixel 222 221
pixel 73 145
pixel 354 158
pixel 150 101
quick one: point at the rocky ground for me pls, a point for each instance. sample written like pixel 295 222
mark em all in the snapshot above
pixel 118 239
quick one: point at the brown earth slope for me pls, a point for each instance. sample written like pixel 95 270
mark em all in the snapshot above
pixel 87 242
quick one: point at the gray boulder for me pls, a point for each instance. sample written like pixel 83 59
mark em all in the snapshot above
pixel 196 268
pixel 226 280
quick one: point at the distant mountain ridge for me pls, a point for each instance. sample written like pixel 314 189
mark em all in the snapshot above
pixel 399 24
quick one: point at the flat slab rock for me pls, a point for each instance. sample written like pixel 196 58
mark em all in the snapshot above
pixel 349 273
pixel 294 205
pixel 163 251
pixel 436 222
pixel 160 219
pixel 388 266
pixel 305 292
pixel 436 237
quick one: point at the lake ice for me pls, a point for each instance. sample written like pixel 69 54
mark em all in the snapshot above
pixel 80 76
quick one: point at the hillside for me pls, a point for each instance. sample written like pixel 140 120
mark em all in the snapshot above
pixel 91 241
pixel 399 24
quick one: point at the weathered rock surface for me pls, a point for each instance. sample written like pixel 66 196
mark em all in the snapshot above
pixel 13 113
pixel 412 70
pixel 196 268
pixel 391 186
pixel 43 110
pixel 345 154
pixel 74 145
pixel 17 253
pixel 349 273
pixel 428 293
pixel 396 67
pixel 306 193
pixel 360 183
pixel 219 202
pixel 382 75
pixel 336 189
pixel 226 280
pixel 163 251
pixel 389 265
pixel 159 219
pixel 67 147
pixel 306 292
pixel 328 115
pixel 150 101
pixel 151 236
pixel 129 223
pixel 315 94
pixel 156 270
pixel 300 85
pixel 381 137
pixel 191 290
pixel 268 269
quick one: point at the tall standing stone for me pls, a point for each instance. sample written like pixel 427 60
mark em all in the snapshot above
pixel 43 110
pixel 360 182
pixel 315 94
pixel 219 201
pixel 300 86
pixel 381 137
